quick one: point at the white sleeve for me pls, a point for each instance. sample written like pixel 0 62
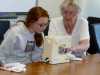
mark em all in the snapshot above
pixel 6 45
pixel 84 31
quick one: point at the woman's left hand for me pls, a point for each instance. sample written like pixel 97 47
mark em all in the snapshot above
pixel 75 48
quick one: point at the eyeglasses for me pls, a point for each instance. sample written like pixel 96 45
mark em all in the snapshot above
pixel 69 12
pixel 43 25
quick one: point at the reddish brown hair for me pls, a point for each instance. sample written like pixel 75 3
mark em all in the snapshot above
pixel 33 15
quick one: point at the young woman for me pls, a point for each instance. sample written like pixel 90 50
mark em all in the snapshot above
pixel 22 43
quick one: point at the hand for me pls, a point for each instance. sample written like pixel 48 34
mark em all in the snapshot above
pixel 75 49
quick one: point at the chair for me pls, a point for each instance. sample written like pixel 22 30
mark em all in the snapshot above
pixel 94 45
pixel 4 26
pixel 46 30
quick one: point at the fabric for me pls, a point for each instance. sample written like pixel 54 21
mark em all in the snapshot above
pixel 14 67
pixel 13 48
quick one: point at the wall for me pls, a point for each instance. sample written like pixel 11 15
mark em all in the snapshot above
pixel 83 4
pixel 89 7
pixel 16 5
pixel 53 6
pixel 92 8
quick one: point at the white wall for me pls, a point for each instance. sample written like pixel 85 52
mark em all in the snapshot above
pixel 82 4
pixel 53 6
pixel 92 8
pixel 89 7
pixel 16 5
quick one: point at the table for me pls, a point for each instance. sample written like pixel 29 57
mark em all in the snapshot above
pixel 89 66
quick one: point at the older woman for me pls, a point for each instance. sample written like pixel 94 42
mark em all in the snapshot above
pixel 71 24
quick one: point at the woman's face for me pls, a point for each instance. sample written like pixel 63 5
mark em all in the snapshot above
pixel 69 12
pixel 40 25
